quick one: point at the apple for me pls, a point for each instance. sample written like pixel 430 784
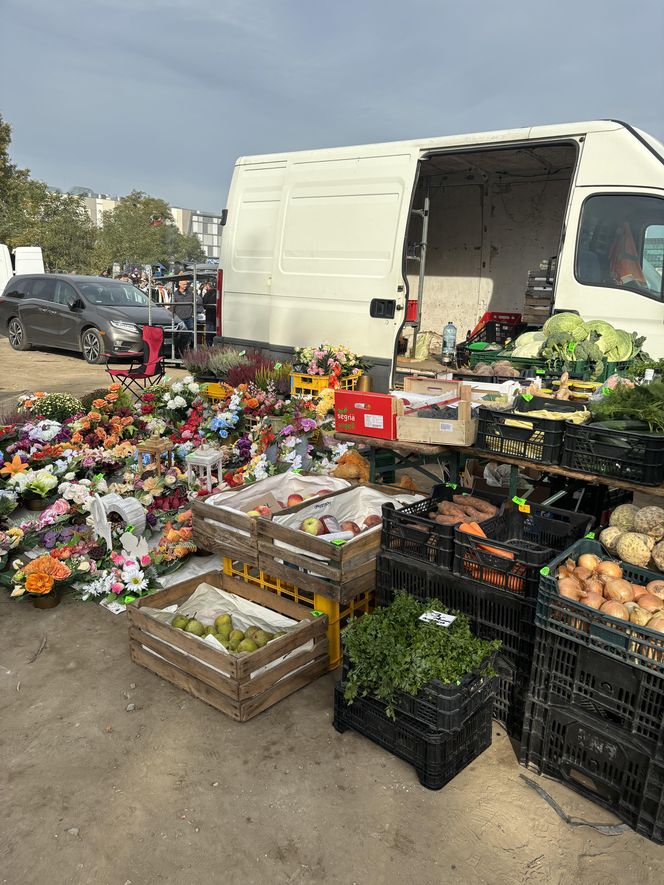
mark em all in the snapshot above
pixel 331 523
pixel 264 511
pixel 371 521
pixel 350 526
pixel 253 513
pixel 313 526
pixel 281 504
pixel 294 499
pixel 323 492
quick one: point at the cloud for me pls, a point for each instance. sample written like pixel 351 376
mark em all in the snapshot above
pixel 121 94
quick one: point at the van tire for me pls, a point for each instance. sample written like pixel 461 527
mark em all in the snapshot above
pixel 92 346
pixel 16 334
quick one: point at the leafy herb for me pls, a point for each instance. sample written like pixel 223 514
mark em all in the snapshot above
pixel 391 650
pixel 643 403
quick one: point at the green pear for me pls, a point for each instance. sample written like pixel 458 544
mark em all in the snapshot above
pixel 225 630
pixel 236 636
pixel 279 633
pixel 262 638
pixel 222 620
pixel 250 632
pixel 209 631
pixel 180 622
pixel 247 645
pixel 222 639
pixel 195 627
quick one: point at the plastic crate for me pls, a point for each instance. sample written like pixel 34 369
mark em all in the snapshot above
pixel 490 332
pixel 443 707
pixel 436 755
pixel 313 385
pixel 509 702
pixel 595 759
pixel 534 439
pixel 619 639
pixel 579 370
pixel 338 613
pixel 626 454
pixel 410 533
pixel 528 536
pixel 609 690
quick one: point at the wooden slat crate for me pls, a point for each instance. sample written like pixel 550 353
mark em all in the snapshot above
pixel 227 532
pixel 343 572
pixel 223 680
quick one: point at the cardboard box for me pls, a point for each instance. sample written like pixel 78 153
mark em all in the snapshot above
pixel 422 428
pixel 366 414
pixel 481 390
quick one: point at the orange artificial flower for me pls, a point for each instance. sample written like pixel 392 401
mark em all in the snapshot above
pixel 172 535
pixel 77 438
pixel 39 583
pixel 98 403
pixel 101 433
pixel 181 550
pixel 14 466
pixel 185 534
pixel 184 516
pixel 111 397
pixel 61 553
pixel 85 424
pixel 46 565
pixel 114 387
pixel 110 441
pixel 126 421
pixel 94 416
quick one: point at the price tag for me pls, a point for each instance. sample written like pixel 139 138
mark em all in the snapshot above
pixel 540 372
pixel 451 485
pixel 317 614
pixel 518 500
pixel 606 391
pixel 544 571
pixel 571 346
pixel 590 536
pixel 524 508
pixel 527 396
pixel 277 365
pixel 440 619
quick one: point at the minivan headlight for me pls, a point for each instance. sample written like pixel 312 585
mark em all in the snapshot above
pixel 126 327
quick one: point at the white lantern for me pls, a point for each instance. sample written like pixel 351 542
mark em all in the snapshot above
pixel 202 464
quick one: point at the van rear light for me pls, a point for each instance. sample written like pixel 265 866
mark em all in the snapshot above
pixel 220 283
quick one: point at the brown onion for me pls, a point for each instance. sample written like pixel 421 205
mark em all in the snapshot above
pixel 639 591
pixel 570 565
pixel 651 603
pixel 592 600
pixel 582 573
pixel 569 588
pixel 608 568
pixel 656 588
pixel 563 572
pixel 615 610
pixel 656 624
pixel 594 585
pixel 619 590
pixel 589 561
pixel 640 616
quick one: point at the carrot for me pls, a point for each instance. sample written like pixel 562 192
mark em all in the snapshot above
pixel 472 528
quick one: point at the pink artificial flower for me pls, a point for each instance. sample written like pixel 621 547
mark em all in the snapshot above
pixel 145 560
pixel 116 558
pixel 117 588
pixel 129 563
pixel 60 507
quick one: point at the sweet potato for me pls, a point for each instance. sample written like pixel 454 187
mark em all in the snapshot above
pixel 444 519
pixel 475 503
pixel 449 509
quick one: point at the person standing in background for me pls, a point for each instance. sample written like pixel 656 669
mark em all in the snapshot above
pixel 209 294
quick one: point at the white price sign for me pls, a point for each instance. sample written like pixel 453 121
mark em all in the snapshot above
pixel 440 619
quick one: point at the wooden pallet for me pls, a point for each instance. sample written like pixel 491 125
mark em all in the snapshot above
pixel 225 680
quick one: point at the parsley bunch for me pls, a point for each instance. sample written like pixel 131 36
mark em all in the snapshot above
pixel 391 650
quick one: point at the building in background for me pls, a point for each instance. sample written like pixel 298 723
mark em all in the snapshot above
pixel 206 225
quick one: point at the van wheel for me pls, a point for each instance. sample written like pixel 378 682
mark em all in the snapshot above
pixel 92 346
pixel 17 336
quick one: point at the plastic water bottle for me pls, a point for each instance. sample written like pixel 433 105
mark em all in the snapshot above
pixel 449 341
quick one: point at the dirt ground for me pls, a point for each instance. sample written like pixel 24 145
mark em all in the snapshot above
pixel 174 792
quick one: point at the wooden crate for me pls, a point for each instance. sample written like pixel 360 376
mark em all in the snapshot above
pixel 345 571
pixel 222 680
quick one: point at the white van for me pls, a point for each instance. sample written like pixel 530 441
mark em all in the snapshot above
pixel 22 260
pixel 330 245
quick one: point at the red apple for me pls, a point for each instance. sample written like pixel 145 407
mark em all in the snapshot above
pixel 371 521
pixel 294 499
pixel 331 524
pixel 264 511
pixel 350 526
pixel 313 526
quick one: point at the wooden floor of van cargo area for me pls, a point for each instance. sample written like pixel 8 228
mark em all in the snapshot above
pixel 115 775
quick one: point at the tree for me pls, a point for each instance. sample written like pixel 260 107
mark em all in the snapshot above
pixel 140 230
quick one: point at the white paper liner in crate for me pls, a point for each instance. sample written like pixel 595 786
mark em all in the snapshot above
pixel 354 505
pixel 278 487
pixel 207 602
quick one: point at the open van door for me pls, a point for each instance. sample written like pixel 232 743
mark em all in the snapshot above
pixel 6 269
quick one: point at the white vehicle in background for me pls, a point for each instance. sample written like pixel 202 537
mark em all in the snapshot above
pixel 21 260
pixel 360 245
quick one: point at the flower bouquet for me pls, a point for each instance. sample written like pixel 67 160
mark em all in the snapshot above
pixel 42 578
pixel 326 360
pixel 8 503
pixel 35 487
pixel 175 544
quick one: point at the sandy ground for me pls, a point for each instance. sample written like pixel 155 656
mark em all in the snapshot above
pixel 174 792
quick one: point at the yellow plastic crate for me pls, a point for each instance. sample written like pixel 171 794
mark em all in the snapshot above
pixel 338 614
pixel 216 392
pixel 312 385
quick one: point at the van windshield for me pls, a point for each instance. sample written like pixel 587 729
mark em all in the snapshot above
pixel 116 294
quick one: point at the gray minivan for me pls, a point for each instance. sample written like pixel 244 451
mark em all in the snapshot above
pixel 94 316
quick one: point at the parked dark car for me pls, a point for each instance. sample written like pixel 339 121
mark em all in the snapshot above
pixel 91 315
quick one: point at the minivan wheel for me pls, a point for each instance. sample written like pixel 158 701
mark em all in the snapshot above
pixel 17 336
pixel 92 346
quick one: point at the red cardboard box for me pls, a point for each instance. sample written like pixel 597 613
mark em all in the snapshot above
pixel 366 414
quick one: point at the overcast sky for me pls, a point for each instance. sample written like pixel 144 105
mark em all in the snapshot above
pixel 163 95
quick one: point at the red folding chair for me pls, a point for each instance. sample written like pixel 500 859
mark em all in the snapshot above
pixel 145 369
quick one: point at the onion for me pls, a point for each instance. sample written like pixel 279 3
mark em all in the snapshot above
pixel 619 590
pixel 656 624
pixel 656 588
pixel 582 573
pixel 594 585
pixel 592 600
pixel 589 561
pixel 608 568
pixel 640 616
pixel 615 610
pixel 563 572
pixel 569 588
pixel 639 591
pixel 651 603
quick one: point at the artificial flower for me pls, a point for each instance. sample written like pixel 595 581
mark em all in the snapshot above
pixel 14 466
pixel 39 583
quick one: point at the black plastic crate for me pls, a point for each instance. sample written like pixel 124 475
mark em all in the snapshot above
pixel 436 755
pixel 596 760
pixel 444 707
pixel 509 702
pixel 519 542
pixel 410 533
pixel 541 439
pixel 629 455
pixel 609 690
pixel 619 639
pixel 492 332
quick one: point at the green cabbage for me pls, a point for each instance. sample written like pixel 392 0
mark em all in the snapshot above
pixel 561 322
pixel 624 346
pixel 530 338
